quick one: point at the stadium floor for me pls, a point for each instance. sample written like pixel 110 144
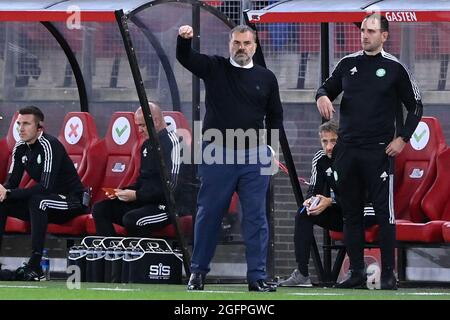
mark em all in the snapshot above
pixel 58 290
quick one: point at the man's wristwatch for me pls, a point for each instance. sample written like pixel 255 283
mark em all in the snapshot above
pixel 405 139
pixel 8 192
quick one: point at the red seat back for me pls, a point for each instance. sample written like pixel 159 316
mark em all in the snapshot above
pixel 120 141
pixel 13 132
pixel 135 165
pixel 4 156
pixel 7 148
pixel 78 133
pixel 415 169
pixel 10 141
pixel 176 121
pixel 436 203
pixel 80 138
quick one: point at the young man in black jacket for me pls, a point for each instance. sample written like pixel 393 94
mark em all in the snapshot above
pixel 327 213
pixel 57 195
pixel 375 84
pixel 141 207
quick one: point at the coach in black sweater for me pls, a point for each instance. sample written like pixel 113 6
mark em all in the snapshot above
pixel 239 95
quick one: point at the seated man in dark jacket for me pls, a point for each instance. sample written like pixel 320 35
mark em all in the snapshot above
pixel 141 207
pixel 57 195
pixel 325 212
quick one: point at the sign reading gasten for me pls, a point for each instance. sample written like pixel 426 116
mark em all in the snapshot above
pixel 401 16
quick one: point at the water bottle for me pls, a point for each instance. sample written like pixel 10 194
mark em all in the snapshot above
pixel 332 196
pixel 45 264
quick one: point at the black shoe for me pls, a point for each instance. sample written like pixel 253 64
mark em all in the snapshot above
pixel 7 275
pixel 29 273
pixel 196 281
pixel 388 280
pixel 355 279
pixel 261 286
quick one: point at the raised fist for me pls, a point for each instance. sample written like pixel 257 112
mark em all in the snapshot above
pixel 186 32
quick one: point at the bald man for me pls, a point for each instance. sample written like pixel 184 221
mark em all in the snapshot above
pixel 141 207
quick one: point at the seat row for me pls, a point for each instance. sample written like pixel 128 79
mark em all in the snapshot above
pixel 421 188
pixel 112 161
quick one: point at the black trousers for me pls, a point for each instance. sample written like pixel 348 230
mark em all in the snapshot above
pixel 330 218
pixel 41 210
pixel 139 219
pixel 358 170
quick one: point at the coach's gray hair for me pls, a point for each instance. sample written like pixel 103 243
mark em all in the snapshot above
pixel 242 28
pixel 329 126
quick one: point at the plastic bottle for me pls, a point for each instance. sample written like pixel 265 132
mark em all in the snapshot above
pixel 45 264
pixel 332 196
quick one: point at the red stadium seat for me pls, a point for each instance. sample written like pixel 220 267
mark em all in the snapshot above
pixel 13 225
pixel 435 205
pixel 371 234
pixel 415 169
pixel 80 139
pixel 79 136
pixel 122 152
pixel 121 140
pixel 9 142
pixel 446 231
pixel 428 232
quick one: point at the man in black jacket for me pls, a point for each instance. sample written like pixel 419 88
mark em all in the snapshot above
pixel 375 84
pixel 327 213
pixel 141 207
pixel 240 97
pixel 57 195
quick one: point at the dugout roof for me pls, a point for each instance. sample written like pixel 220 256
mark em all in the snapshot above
pixel 54 10
pixel 351 10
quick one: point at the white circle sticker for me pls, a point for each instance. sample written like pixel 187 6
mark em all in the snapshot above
pixel 73 130
pixel 171 124
pixel 16 131
pixel 420 137
pixel 121 130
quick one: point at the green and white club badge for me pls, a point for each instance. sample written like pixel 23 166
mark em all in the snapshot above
pixel 380 72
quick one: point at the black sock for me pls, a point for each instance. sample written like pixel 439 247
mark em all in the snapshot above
pixel 35 260
pixel 303 270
